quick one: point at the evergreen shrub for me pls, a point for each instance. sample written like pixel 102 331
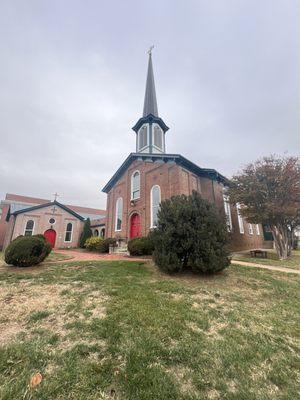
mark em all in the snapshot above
pixel 86 233
pixel 25 251
pixel 141 246
pixel 94 243
pixel 190 235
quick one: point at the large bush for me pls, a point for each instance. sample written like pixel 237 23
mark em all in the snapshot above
pixel 190 234
pixel 25 251
pixel 86 233
pixel 104 247
pixel 141 246
pixel 94 243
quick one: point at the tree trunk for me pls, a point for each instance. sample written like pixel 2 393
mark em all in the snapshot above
pixel 281 240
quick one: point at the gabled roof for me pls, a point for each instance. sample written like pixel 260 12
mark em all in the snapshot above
pixel 164 158
pixel 52 203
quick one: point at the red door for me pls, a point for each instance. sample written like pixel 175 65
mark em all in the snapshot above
pixel 135 226
pixel 50 236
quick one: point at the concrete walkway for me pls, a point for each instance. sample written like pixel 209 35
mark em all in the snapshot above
pixel 263 266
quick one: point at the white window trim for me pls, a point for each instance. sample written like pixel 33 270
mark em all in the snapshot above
pixel 250 229
pixel 151 205
pixel 257 230
pixel 228 216
pixel 53 222
pixel 148 137
pixel 100 233
pixel 240 219
pixel 161 149
pixel 116 214
pixel 32 227
pixel 69 241
pixel 131 195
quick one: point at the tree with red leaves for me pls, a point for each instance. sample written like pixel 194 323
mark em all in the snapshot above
pixel 269 193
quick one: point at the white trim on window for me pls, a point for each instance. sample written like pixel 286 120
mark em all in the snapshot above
pixel 135 190
pixel 250 228
pixel 69 231
pixel 154 207
pixel 31 230
pixel 119 214
pixel 227 212
pixel 102 233
pixel 257 229
pixel 240 218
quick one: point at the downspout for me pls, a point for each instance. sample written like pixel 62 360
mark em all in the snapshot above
pixel 213 190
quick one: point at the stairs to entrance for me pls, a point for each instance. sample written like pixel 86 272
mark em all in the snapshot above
pixel 120 249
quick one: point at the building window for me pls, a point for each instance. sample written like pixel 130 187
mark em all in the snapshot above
pixel 154 202
pixel 51 221
pixel 257 229
pixel 250 227
pixel 119 214
pixel 157 137
pixel 240 218
pixel 102 232
pixel 227 212
pixel 96 232
pixel 143 137
pixel 68 235
pixel 135 185
pixel 29 228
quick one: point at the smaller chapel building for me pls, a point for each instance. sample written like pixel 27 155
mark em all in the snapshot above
pixel 60 224
pixel 151 175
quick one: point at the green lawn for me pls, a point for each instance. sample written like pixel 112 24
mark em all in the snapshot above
pixel 53 256
pixel 121 330
pixel 292 262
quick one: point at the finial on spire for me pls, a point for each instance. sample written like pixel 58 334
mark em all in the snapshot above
pixel 150 50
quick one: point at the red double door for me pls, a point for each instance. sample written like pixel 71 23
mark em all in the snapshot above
pixel 135 226
pixel 50 236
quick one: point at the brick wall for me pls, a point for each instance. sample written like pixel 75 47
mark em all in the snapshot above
pixel 173 180
pixel 41 224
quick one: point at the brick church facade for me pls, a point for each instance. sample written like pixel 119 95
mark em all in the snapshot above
pixel 150 175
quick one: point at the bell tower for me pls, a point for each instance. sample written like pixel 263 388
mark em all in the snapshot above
pixel 150 129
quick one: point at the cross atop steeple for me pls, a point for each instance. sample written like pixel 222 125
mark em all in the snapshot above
pixel 55 196
pixel 150 103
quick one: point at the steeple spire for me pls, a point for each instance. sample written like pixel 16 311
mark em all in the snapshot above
pixel 150 103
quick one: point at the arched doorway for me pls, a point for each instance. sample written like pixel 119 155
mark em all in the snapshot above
pixel 135 226
pixel 50 236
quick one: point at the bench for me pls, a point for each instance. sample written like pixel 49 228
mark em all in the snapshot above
pixel 259 253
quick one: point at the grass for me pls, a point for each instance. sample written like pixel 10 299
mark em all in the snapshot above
pixel 53 256
pixel 121 330
pixel 292 262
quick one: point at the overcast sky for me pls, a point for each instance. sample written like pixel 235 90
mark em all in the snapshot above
pixel 72 81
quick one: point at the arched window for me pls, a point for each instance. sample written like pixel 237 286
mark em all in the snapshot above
pixel 143 137
pixel 154 202
pixel 102 232
pixel 135 185
pixel 29 228
pixel 96 232
pixel 157 137
pixel 68 235
pixel 119 214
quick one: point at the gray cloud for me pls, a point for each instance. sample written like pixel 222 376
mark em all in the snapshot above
pixel 72 77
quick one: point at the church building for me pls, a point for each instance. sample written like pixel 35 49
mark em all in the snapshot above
pixel 151 175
